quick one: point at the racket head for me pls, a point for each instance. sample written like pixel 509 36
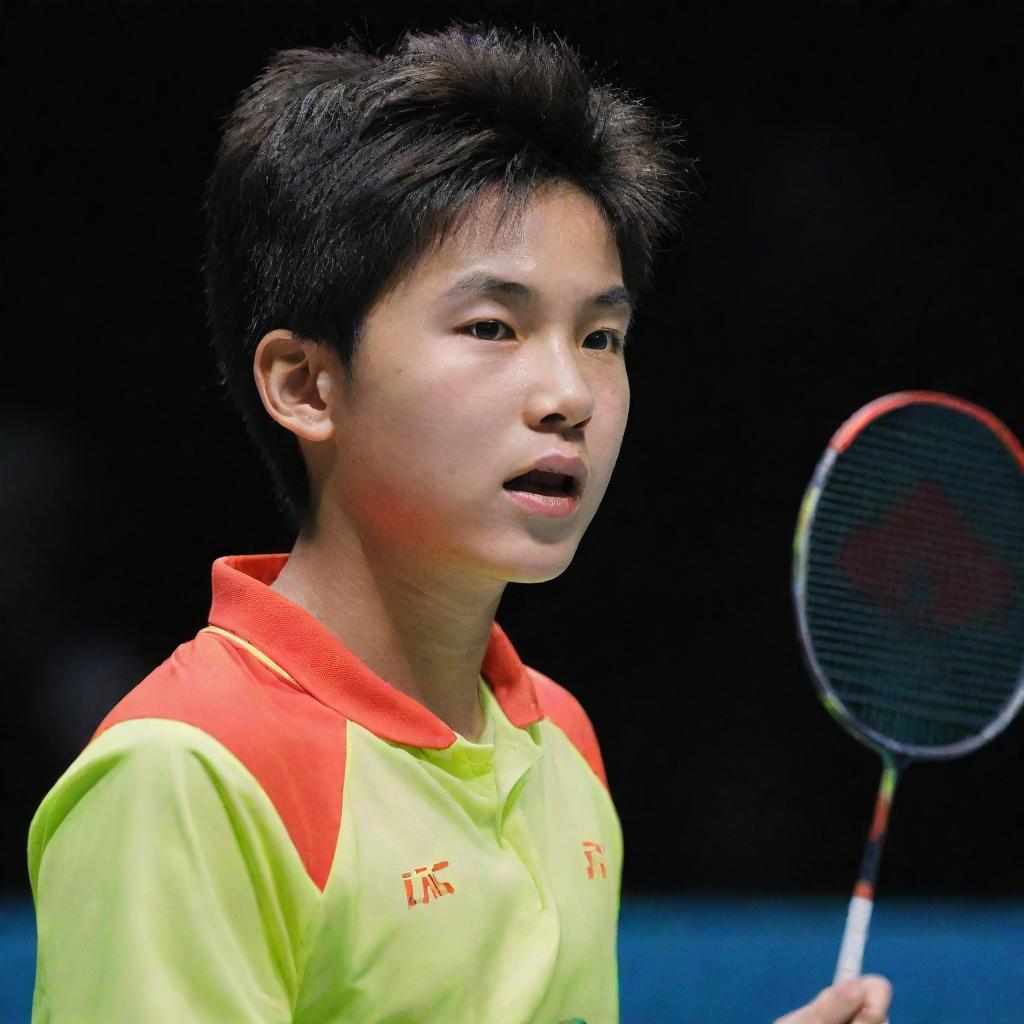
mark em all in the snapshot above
pixel 930 480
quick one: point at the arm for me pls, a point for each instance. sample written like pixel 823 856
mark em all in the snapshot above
pixel 165 885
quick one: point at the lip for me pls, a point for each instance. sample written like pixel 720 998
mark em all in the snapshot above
pixel 555 461
pixel 554 506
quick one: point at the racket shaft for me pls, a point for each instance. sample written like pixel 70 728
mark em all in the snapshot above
pixel 858 917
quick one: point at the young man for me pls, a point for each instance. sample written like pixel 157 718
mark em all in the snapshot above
pixel 347 798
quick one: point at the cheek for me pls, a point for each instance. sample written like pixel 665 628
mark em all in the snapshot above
pixel 446 438
pixel 604 438
pixel 421 453
pixel 613 411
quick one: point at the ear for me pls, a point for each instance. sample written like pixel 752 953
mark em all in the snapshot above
pixel 296 379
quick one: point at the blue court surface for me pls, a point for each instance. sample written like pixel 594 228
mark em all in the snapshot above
pixel 747 961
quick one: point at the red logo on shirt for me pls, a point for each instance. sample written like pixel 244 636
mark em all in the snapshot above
pixel 430 883
pixel 594 853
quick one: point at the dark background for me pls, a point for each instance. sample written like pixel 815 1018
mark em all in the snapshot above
pixel 858 231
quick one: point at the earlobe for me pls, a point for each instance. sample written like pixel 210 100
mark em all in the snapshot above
pixel 294 384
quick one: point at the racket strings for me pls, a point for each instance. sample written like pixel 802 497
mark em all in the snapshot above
pixel 914 585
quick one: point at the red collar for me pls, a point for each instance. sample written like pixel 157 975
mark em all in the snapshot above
pixel 244 604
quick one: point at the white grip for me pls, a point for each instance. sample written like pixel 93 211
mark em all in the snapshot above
pixel 851 952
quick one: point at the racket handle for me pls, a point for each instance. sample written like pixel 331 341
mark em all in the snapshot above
pixel 855 937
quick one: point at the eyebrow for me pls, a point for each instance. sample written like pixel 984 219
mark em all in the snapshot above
pixel 481 282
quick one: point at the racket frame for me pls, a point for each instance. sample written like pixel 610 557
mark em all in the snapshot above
pixel 840 441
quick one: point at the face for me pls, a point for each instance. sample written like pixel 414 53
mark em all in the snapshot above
pixel 457 391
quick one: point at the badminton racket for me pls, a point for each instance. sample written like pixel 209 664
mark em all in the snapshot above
pixel 908 582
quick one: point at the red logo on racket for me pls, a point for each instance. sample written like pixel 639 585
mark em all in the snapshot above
pixel 951 575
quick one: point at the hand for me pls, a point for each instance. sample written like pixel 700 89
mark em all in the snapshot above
pixel 863 1000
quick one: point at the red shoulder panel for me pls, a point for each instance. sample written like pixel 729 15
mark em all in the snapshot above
pixel 567 713
pixel 292 744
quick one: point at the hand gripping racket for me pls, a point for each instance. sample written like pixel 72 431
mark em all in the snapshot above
pixel 908 580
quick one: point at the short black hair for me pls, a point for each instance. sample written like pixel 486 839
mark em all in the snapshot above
pixel 339 167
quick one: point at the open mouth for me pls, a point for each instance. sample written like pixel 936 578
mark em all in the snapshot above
pixel 539 482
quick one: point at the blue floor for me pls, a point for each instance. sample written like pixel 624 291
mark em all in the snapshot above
pixel 721 961
pixel 747 961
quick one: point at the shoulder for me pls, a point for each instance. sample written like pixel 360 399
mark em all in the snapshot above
pixel 157 859
pixel 563 709
pixel 220 687
pixel 290 743
pixel 138 775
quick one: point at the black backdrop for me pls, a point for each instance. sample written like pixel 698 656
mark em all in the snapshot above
pixel 859 231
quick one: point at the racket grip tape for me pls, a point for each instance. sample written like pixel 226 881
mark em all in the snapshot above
pixel 855 937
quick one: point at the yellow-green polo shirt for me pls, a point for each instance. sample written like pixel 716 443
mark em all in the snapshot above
pixel 264 830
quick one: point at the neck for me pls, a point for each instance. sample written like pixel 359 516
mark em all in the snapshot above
pixel 417 627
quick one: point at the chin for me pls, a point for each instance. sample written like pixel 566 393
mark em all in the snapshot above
pixel 537 577
pixel 542 563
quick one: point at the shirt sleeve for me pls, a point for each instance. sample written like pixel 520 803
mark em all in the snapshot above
pixel 166 887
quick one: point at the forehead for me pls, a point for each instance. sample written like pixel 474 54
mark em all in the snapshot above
pixel 559 233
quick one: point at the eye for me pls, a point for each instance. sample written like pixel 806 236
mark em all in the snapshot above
pixel 489 325
pixel 615 342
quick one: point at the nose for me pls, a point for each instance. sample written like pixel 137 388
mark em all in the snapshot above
pixel 559 388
